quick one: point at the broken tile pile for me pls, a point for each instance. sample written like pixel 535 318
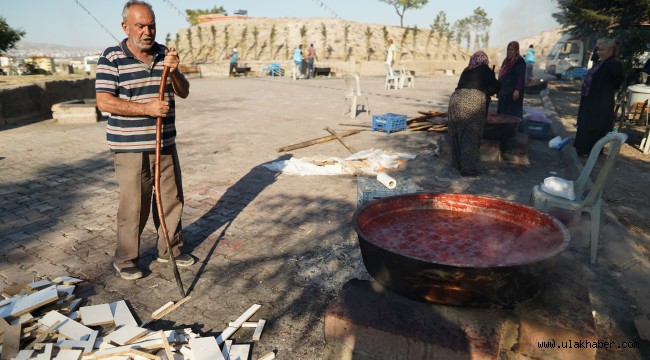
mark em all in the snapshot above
pixel 44 320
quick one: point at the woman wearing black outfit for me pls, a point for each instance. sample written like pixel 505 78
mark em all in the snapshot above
pixel 596 112
pixel 467 113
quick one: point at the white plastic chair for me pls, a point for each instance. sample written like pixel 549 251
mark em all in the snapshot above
pixel 587 200
pixel 392 80
pixel 408 79
pixel 353 93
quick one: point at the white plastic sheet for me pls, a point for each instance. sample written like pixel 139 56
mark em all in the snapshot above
pixel 367 162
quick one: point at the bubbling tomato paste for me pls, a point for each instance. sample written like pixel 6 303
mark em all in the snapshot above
pixel 458 238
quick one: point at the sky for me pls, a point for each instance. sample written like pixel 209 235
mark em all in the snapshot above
pixel 87 23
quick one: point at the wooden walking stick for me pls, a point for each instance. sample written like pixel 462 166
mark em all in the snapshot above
pixel 161 214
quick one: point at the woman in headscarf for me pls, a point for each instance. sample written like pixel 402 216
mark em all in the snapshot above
pixel 512 77
pixel 596 112
pixel 467 113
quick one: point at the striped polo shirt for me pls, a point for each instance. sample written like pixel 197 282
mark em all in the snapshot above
pixel 120 73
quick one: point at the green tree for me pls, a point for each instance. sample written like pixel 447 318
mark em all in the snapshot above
pixel 193 15
pixel 369 49
pixel 461 27
pixel 189 43
pixel 619 19
pixel 479 24
pixel 414 32
pixel 168 40
pixel 323 33
pixel 256 34
pixel 303 34
pixel 8 36
pixel 440 25
pixel 402 5
pixel 242 42
pixel 346 34
pixel 272 41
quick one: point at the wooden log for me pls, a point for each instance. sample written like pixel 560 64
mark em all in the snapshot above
pixel 347 146
pixel 419 127
pixel 357 125
pixel 315 141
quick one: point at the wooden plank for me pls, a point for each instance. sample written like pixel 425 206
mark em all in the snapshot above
pixel 170 335
pixel 4 325
pixel 68 355
pixel 67 280
pixel 43 335
pixel 240 351
pixel 161 309
pixel 340 139
pixel 30 302
pixel 90 343
pixel 11 342
pixel 22 319
pixel 125 335
pixel 65 289
pixel 24 355
pixel 122 314
pixel 269 356
pixel 74 304
pixel 245 324
pixel 258 330
pixel 47 353
pixel 68 327
pixel 226 334
pixel 246 315
pixel 205 348
pixel 315 141
pixel 39 284
pixel 96 315
pixel 168 349
pixel 172 308
pixel 225 350
pixel 115 352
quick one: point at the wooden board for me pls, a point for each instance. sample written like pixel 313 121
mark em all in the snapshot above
pixel 122 314
pixel 68 355
pixel 39 284
pixel 24 355
pixel 247 315
pixel 11 342
pixel 205 348
pixel 30 302
pixel 125 335
pixel 268 356
pixel 47 353
pixel 67 280
pixel 258 330
pixel 226 334
pixel 161 309
pixel 67 327
pixel 96 315
pixel 240 351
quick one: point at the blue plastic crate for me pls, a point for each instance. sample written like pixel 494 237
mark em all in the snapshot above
pixel 369 189
pixel 536 129
pixel 389 122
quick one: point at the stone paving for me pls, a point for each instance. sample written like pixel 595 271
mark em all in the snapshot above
pixel 283 241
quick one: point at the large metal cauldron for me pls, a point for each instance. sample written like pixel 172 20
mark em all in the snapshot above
pixel 457 249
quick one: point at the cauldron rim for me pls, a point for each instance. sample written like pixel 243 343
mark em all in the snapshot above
pixel 546 255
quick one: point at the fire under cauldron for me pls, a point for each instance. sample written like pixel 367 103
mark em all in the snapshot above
pixel 457 249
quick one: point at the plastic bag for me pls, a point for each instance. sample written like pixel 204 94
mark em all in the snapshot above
pixel 559 187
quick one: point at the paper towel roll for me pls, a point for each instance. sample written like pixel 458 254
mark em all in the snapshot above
pixel 386 180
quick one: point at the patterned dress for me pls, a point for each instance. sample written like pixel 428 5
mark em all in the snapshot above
pixel 466 118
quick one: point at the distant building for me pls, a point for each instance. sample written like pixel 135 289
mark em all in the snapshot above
pixel 217 17
pixel 41 62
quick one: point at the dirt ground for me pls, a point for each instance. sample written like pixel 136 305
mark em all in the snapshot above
pixel 626 193
pixel 8 81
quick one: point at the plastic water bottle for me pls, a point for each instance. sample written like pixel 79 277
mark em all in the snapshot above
pixel 562 143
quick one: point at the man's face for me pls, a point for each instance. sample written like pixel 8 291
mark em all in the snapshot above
pixel 140 27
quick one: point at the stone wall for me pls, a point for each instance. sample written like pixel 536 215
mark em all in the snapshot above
pixel 21 103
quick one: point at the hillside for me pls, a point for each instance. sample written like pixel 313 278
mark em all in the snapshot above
pixel 338 40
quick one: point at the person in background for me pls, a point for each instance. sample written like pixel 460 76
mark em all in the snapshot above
pixel 512 78
pixel 234 57
pixel 311 56
pixel 391 54
pixel 297 62
pixel 530 63
pixel 596 110
pixel 124 87
pixel 467 113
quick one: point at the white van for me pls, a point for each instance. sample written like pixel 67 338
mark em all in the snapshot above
pixel 568 52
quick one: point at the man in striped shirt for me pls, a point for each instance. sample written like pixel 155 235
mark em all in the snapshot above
pixel 127 83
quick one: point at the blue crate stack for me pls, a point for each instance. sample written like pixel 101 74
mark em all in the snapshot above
pixel 389 122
